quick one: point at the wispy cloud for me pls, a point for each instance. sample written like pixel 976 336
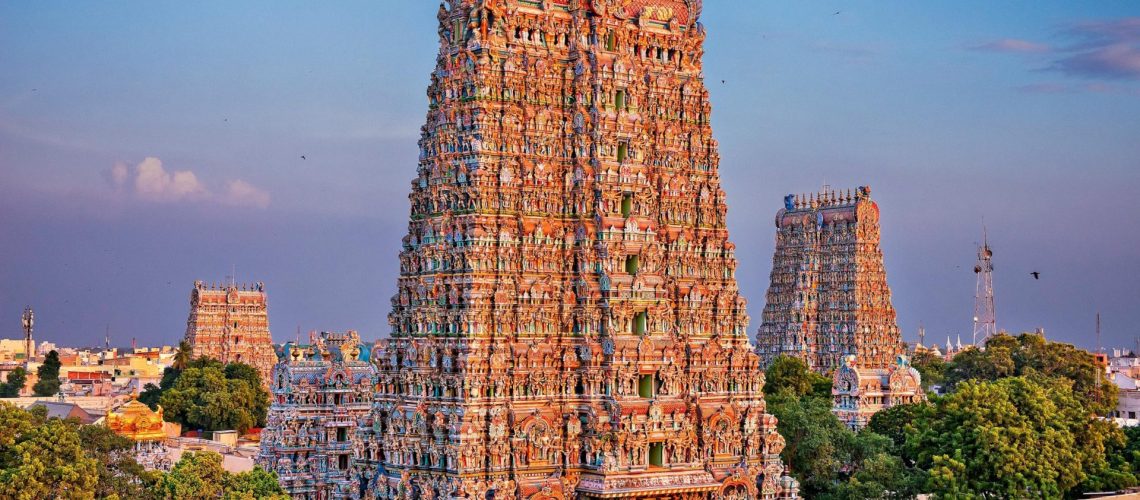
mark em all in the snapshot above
pixel 1107 50
pixel 1061 88
pixel 151 181
pixel 1012 45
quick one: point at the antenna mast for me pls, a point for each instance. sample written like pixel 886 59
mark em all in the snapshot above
pixel 985 323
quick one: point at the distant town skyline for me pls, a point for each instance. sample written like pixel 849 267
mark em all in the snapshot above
pixel 144 146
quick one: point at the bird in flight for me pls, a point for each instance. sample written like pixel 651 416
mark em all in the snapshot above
pixel 303 157
pixel 836 13
pixel 1036 275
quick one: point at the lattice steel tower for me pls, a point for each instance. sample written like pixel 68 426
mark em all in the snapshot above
pixel 28 321
pixel 985 323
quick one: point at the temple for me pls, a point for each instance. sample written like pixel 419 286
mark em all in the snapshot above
pixel 146 427
pixel 230 323
pixel 567 322
pixel 859 392
pixel 828 297
pixel 318 435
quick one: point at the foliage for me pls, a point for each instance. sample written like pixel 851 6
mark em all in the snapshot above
pixel 1016 437
pixel 207 395
pixel 48 374
pixel 932 368
pixel 201 476
pixel 787 373
pixel 16 380
pixel 1029 354
pixel 895 422
pixel 196 476
pixel 830 460
pixel 43 459
pixel 119 475
pixel 256 483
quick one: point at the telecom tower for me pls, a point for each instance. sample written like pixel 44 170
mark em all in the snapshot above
pixel 985 325
pixel 28 319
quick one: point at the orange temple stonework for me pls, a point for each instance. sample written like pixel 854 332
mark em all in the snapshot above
pixel 567 322
pixel 828 296
pixel 230 323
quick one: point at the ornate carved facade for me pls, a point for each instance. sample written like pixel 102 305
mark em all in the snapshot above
pixel 318 435
pixel 861 392
pixel 567 322
pixel 137 422
pixel 828 296
pixel 230 323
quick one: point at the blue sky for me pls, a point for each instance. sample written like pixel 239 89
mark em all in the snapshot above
pixel 144 145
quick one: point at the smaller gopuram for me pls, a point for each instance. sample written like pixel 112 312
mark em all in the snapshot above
pixel 230 323
pixel 146 427
pixel 860 392
pixel 318 436
pixel 828 296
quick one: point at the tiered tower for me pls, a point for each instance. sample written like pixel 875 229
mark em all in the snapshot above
pixel 318 437
pixel 828 296
pixel 567 322
pixel 230 323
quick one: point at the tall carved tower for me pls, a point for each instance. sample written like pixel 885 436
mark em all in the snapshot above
pixel 567 322
pixel 230 323
pixel 828 296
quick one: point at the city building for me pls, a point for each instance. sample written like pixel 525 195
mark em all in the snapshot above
pixel 861 392
pixel 828 296
pixel 567 322
pixel 318 436
pixel 230 323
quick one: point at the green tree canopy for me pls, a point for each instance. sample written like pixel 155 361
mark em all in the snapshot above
pixel 254 484
pixel 1030 353
pixel 43 459
pixel 210 396
pixel 196 476
pixel 1017 437
pixel 932 369
pixel 48 374
pixel 16 380
pixel 787 373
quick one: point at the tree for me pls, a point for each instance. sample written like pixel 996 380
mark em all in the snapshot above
pixel 895 422
pixel 48 373
pixel 787 373
pixel 1029 354
pixel 44 460
pixel 183 357
pixel 256 483
pixel 196 476
pixel 16 380
pixel 207 395
pixel 1017 437
pixel 932 369
pixel 119 474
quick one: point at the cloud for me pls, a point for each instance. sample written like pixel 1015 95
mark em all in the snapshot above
pixel 152 182
pixel 1061 88
pixel 1103 49
pixel 1116 61
pixel 239 193
pixel 1012 45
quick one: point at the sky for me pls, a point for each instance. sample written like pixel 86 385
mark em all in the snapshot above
pixel 145 145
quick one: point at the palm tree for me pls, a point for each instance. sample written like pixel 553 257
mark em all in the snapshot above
pixel 183 357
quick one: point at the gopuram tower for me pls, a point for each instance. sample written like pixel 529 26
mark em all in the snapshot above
pixel 230 323
pixel 567 322
pixel 828 296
